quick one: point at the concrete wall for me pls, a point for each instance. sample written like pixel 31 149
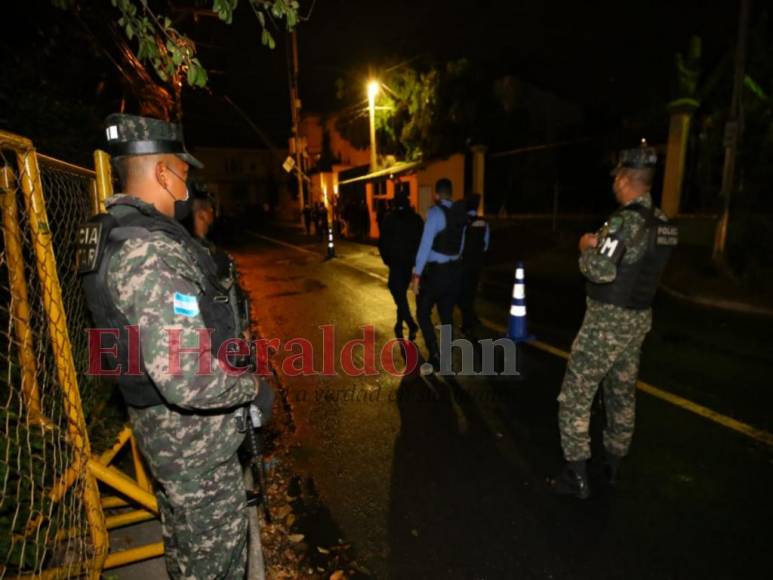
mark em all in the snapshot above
pixel 452 168
pixel 421 187
pixel 242 178
pixel 696 230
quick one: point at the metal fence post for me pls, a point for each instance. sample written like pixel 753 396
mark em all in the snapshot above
pixel 19 295
pixel 32 189
pixel 104 181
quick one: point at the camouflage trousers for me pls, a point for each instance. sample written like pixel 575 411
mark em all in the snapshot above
pixel 607 349
pixel 202 503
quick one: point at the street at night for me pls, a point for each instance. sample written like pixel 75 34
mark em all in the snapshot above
pixel 335 290
pixel 445 477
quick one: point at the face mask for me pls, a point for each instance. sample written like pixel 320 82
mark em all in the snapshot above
pixel 182 207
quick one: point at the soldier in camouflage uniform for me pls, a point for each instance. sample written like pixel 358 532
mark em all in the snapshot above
pixel 622 264
pixel 152 276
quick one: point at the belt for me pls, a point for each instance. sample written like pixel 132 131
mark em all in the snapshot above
pixel 441 264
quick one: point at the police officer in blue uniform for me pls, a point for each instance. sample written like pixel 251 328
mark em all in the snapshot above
pixel 437 274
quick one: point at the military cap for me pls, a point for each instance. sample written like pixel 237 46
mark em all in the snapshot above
pixel 638 158
pixel 134 135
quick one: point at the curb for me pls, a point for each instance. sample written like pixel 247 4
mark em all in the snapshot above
pixel 718 303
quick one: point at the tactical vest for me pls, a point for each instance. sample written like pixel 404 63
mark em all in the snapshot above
pixel 229 281
pixel 475 239
pixel 237 298
pixel 99 239
pixel 449 240
pixel 635 284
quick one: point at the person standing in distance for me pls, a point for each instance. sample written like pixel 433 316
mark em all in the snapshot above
pixel 201 223
pixel 476 244
pixel 437 273
pixel 307 218
pixel 622 264
pixel 398 243
pixel 202 216
pixel 141 269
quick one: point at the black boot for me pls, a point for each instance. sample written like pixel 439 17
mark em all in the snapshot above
pixel 573 480
pixel 612 468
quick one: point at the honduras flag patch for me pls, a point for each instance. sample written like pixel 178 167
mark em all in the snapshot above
pixel 185 304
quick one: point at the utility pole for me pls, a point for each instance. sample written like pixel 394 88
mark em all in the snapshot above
pixel 295 107
pixel 373 88
pixel 732 133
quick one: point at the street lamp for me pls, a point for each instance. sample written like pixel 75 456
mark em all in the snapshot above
pixel 373 88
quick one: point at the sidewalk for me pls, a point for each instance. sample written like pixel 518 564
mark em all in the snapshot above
pixel 690 276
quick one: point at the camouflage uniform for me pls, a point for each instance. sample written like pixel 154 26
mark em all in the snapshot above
pixel 607 348
pixel 190 443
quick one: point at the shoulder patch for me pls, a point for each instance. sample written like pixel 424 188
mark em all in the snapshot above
pixel 185 304
pixel 615 223
pixel 611 247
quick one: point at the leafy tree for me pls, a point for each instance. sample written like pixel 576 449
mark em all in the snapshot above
pixel 750 238
pixel 150 38
pixel 420 113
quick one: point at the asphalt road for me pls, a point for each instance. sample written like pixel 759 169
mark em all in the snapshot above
pixel 444 477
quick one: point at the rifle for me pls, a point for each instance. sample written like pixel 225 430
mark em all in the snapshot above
pixel 240 306
pixel 249 420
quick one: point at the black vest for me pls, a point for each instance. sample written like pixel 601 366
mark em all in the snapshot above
pixel 99 239
pixel 635 285
pixel 449 240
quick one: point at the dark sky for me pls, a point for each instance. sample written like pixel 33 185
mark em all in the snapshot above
pixel 604 54
pixel 610 54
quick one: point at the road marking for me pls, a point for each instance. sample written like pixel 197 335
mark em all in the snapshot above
pixel 378 277
pixel 281 243
pixel 728 422
pixel 686 404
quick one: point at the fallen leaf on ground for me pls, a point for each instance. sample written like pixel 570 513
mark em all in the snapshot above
pixel 282 512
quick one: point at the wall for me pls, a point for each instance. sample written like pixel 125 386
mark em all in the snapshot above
pixel 452 168
pixel 243 178
pixel 421 187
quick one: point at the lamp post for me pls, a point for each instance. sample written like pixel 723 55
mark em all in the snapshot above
pixel 373 88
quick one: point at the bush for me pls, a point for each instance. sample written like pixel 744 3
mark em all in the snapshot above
pixel 750 247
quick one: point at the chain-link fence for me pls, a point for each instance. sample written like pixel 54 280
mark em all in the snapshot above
pixel 70 201
pixel 46 519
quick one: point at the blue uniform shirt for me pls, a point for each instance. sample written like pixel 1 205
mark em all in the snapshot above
pixel 436 223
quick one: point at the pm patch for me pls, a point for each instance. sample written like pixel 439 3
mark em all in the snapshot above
pixel 612 247
pixel 185 304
